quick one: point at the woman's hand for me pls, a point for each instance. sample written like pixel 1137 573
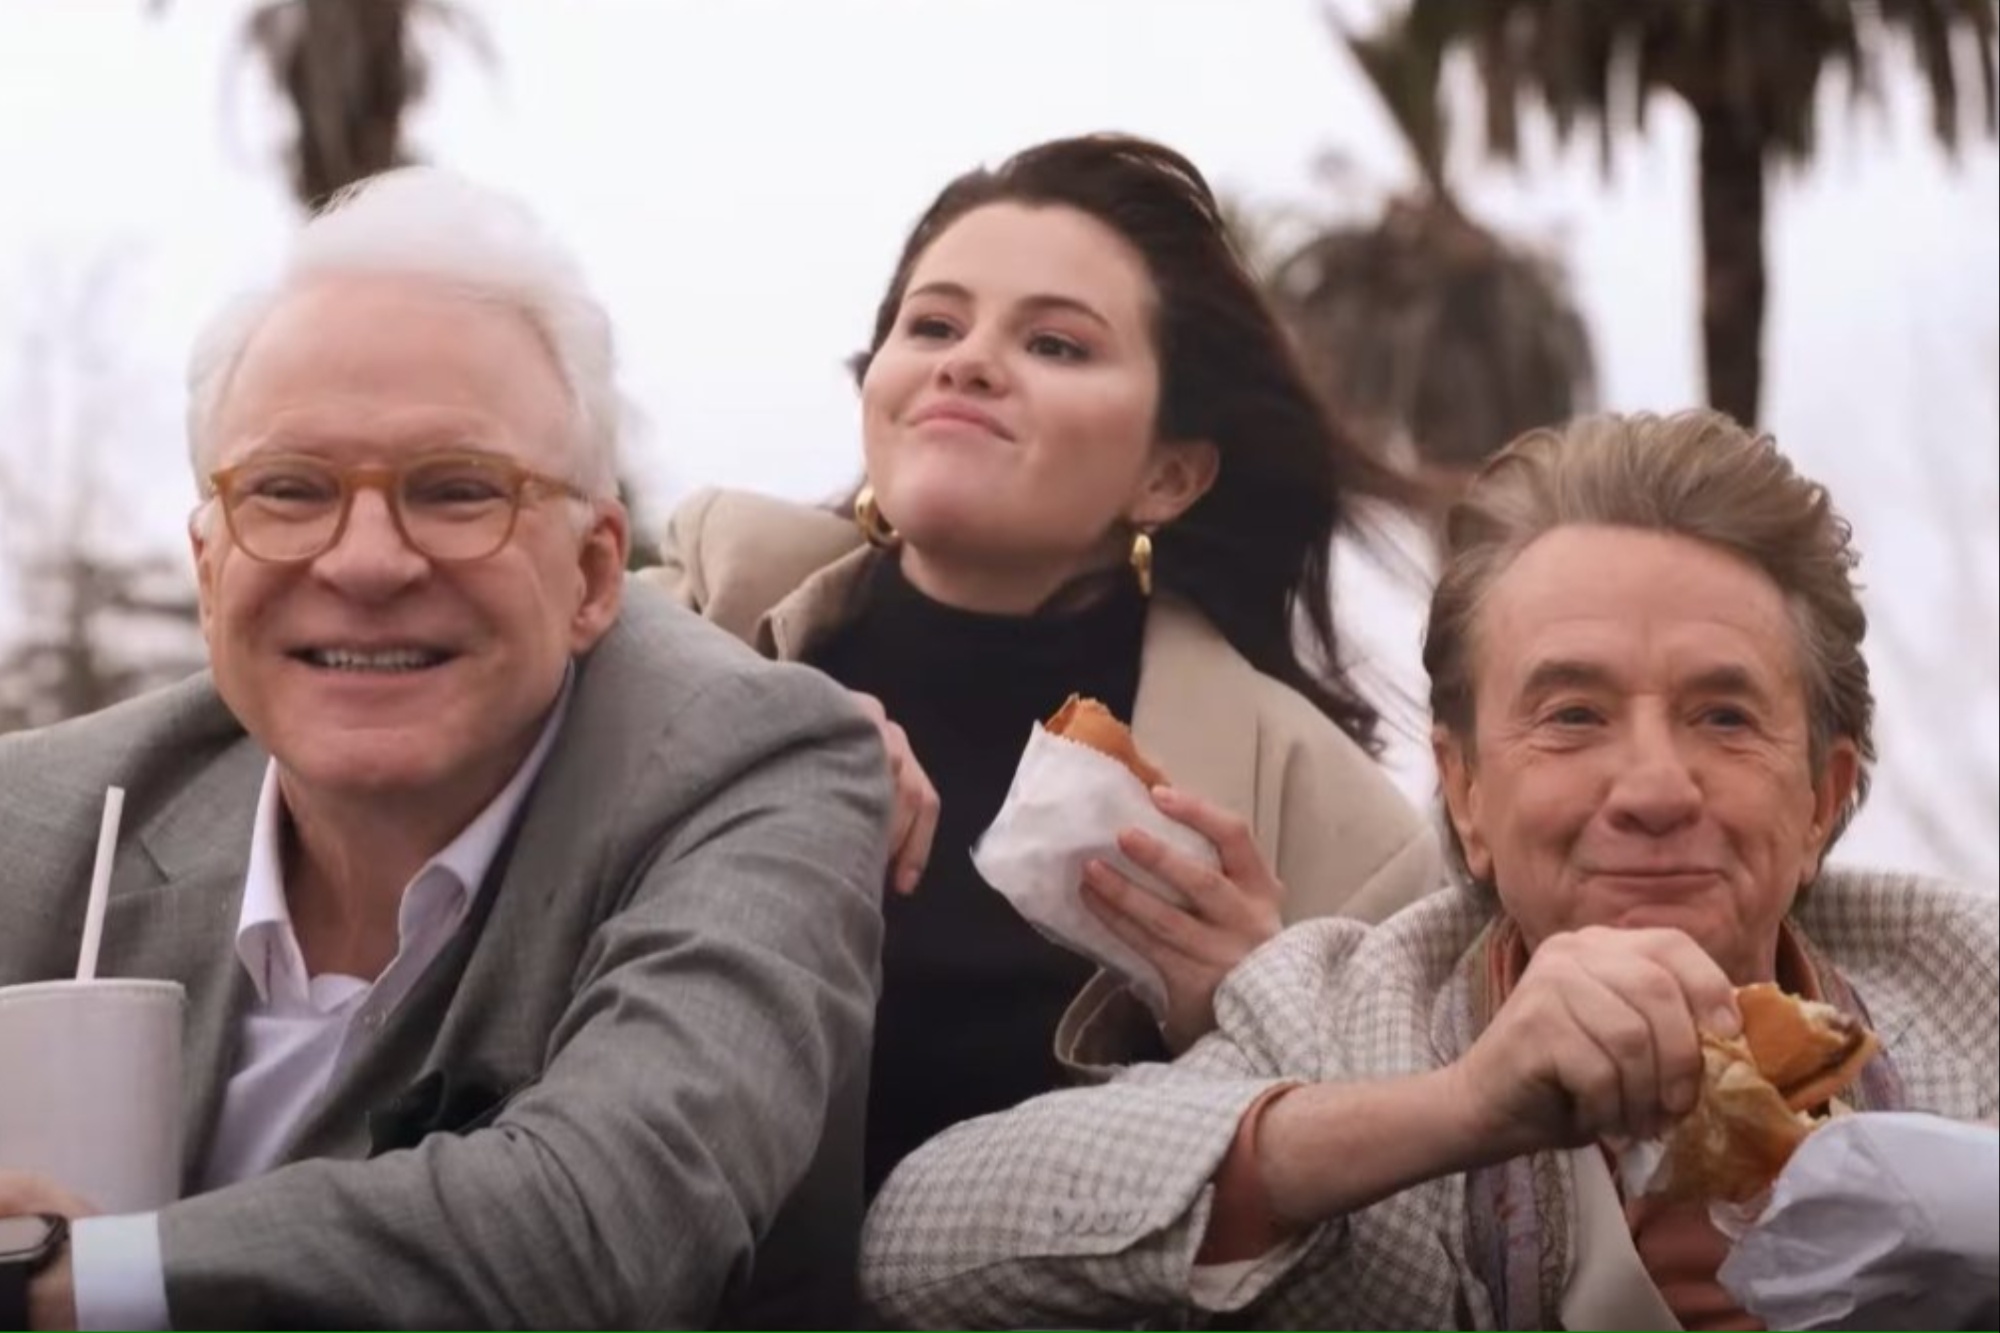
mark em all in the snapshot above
pixel 914 823
pixel 1230 911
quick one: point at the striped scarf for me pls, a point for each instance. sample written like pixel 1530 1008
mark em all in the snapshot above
pixel 1515 1210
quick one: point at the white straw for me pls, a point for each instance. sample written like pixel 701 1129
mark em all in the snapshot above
pixel 100 883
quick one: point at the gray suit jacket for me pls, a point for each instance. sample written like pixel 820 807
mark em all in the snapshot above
pixel 673 971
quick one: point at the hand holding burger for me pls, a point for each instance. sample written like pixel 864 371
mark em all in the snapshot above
pixel 1762 1093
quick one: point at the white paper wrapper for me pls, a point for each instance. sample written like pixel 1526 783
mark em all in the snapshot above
pixel 1068 804
pixel 1882 1220
pixel 1643 1169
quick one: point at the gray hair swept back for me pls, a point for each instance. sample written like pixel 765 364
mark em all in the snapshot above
pixel 1695 474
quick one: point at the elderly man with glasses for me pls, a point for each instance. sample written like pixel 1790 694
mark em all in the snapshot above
pixel 528 924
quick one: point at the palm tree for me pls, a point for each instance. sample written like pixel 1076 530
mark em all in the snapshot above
pixel 351 71
pixel 1436 337
pixel 1750 72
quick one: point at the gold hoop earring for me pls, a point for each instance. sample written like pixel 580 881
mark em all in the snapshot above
pixel 1142 561
pixel 875 529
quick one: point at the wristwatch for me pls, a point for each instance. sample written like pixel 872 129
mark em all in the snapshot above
pixel 27 1243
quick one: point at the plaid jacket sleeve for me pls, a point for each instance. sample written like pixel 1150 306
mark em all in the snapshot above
pixel 1085 1207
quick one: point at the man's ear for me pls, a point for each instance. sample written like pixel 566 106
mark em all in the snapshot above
pixel 201 546
pixel 1180 473
pixel 1458 780
pixel 1833 788
pixel 606 547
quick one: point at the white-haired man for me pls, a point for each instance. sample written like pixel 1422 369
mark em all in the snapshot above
pixel 528 924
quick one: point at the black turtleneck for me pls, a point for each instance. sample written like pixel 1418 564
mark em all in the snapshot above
pixel 971 993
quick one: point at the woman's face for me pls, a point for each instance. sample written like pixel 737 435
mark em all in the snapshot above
pixel 1009 417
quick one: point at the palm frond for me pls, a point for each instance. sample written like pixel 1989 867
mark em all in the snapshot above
pixel 1431 332
pixel 1760 62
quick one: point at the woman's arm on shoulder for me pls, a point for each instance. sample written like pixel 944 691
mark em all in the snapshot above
pixel 680 573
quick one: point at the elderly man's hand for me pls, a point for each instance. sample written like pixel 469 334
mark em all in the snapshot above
pixel 52 1292
pixel 1597 1041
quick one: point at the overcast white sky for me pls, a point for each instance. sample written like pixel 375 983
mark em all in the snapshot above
pixel 737 175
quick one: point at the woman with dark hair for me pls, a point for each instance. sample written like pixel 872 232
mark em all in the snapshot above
pixel 1093 466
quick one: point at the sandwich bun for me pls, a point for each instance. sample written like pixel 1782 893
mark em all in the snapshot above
pixel 1088 722
pixel 1760 1094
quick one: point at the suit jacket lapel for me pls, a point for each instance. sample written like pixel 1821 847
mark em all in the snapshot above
pixel 172 914
pixel 418 1037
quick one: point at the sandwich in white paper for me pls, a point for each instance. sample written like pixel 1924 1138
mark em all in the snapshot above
pixel 1880 1220
pixel 1761 1097
pixel 1080 783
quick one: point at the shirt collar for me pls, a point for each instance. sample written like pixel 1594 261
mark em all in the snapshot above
pixel 265 942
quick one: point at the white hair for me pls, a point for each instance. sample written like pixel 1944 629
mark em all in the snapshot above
pixel 430 223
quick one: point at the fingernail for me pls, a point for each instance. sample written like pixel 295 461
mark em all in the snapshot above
pixel 1681 1096
pixel 907 877
pixel 1723 1021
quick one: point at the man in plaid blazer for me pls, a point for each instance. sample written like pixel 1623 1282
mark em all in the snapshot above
pixel 1653 719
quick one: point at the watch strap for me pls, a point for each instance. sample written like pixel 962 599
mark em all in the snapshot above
pixel 14 1294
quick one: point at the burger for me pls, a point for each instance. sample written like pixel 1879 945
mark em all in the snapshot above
pixel 1762 1093
pixel 1088 722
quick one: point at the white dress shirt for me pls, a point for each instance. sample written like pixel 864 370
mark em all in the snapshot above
pixel 297 1035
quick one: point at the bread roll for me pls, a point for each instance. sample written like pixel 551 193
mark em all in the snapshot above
pixel 1088 722
pixel 1758 1094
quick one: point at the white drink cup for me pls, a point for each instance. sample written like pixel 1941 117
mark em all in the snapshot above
pixel 90 1088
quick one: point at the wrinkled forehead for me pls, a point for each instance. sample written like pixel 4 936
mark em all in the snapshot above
pixel 382 365
pixel 1633 611
pixel 357 434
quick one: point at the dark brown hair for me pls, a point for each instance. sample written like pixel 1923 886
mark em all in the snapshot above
pixel 1254 553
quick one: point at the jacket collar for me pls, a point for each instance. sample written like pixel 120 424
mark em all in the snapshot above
pixel 789 630
pixel 172 912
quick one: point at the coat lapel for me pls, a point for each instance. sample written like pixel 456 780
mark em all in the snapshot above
pixel 789 630
pixel 1609 1286
pixel 1193 715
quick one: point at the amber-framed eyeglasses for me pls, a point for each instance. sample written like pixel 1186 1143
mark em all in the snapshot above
pixel 454 507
